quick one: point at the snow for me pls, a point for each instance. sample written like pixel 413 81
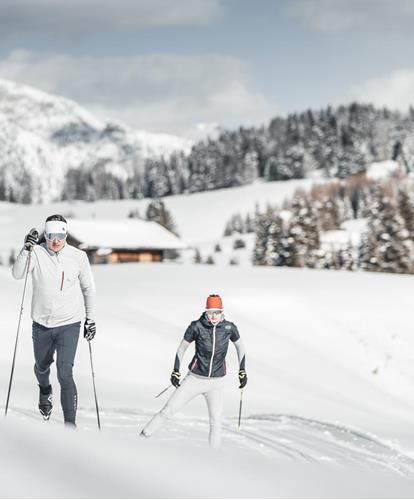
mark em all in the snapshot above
pixel 124 233
pixel 329 402
pixel 351 233
pixel 200 217
pixel 228 253
pixel 383 169
pixel 355 225
pixel 329 398
pixel 40 112
pixel 42 136
pixel 161 144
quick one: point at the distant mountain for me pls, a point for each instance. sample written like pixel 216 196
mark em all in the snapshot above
pixel 53 149
pixel 43 137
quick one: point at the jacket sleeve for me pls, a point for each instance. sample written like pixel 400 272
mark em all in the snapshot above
pixel 238 344
pixel 87 286
pixel 20 265
pixel 180 354
pixel 240 354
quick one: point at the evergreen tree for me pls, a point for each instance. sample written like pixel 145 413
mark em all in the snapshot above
pixel 12 257
pixel 348 257
pixel 271 170
pixel 405 202
pixel 270 242
pixel 197 256
pixel 386 247
pixel 275 254
pixel 249 224
pixel 239 243
pixel 263 223
pixel 228 230
pixel 134 214
pixel 210 260
pixel 302 235
pixel 157 178
pixel 157 212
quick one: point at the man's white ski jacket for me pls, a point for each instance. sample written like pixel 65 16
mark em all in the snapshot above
pixel 59 281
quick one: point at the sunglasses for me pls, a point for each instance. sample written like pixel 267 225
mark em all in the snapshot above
pixel 215 311
pixel 55 236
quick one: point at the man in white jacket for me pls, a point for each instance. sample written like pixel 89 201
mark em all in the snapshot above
pixel 61 274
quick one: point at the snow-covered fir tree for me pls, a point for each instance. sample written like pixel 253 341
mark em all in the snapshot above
pixel 260 251
pixel 302 234
pixel 387 246
pixel 158 212
pixel 405 202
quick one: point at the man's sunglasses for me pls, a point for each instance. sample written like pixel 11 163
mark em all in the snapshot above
pixel 55 236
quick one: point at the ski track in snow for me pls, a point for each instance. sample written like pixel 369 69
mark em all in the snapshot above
pixel 275 436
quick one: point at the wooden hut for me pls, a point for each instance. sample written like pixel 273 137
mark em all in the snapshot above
pixel 110 241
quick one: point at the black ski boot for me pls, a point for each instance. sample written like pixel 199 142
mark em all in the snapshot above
pixel 45 401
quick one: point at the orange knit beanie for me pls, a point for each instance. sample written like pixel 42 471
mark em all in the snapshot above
pixel 214 302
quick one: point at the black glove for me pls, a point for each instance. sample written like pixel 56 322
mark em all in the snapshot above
pixel 89 329
pixel 175 378
pixel 242 378
pixel 30 240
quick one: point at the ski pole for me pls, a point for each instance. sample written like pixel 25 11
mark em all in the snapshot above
pixel 36 234
pixel 94 388
pixel 240 409
pixel 162 392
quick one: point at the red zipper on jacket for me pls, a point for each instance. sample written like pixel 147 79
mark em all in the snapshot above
pixel 63 277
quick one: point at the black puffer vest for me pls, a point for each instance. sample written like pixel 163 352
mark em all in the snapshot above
pixel 211 344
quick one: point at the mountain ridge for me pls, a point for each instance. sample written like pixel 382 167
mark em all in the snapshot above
pixel 43 136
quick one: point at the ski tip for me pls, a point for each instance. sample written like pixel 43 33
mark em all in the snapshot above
pixel 46 416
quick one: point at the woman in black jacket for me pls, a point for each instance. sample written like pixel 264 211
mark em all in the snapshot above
pixel 211 334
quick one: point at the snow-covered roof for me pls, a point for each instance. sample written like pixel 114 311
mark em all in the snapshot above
pixel 382 169
pixel 123 233
pixel 350 233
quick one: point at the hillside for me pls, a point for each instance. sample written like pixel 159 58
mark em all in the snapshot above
pixel 329 398
pixel 52 149
pixel 43 136
pixel 200 217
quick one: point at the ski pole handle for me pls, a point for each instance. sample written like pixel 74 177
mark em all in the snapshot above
pixel 33 233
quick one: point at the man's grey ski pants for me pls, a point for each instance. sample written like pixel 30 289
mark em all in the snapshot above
pixel 63 340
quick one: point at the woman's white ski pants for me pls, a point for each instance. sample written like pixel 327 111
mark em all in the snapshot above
pixel 213 391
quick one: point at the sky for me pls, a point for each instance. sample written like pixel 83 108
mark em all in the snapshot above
pixel 186 67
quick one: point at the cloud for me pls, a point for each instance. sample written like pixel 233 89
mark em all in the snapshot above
pixel 395 91
pixel 163 93
pixel 354 15
pixel 85 17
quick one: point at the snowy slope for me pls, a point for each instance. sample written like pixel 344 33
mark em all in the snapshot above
pixel 42 135
pixel 329 398
pixel 200 217
pixel 116 464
